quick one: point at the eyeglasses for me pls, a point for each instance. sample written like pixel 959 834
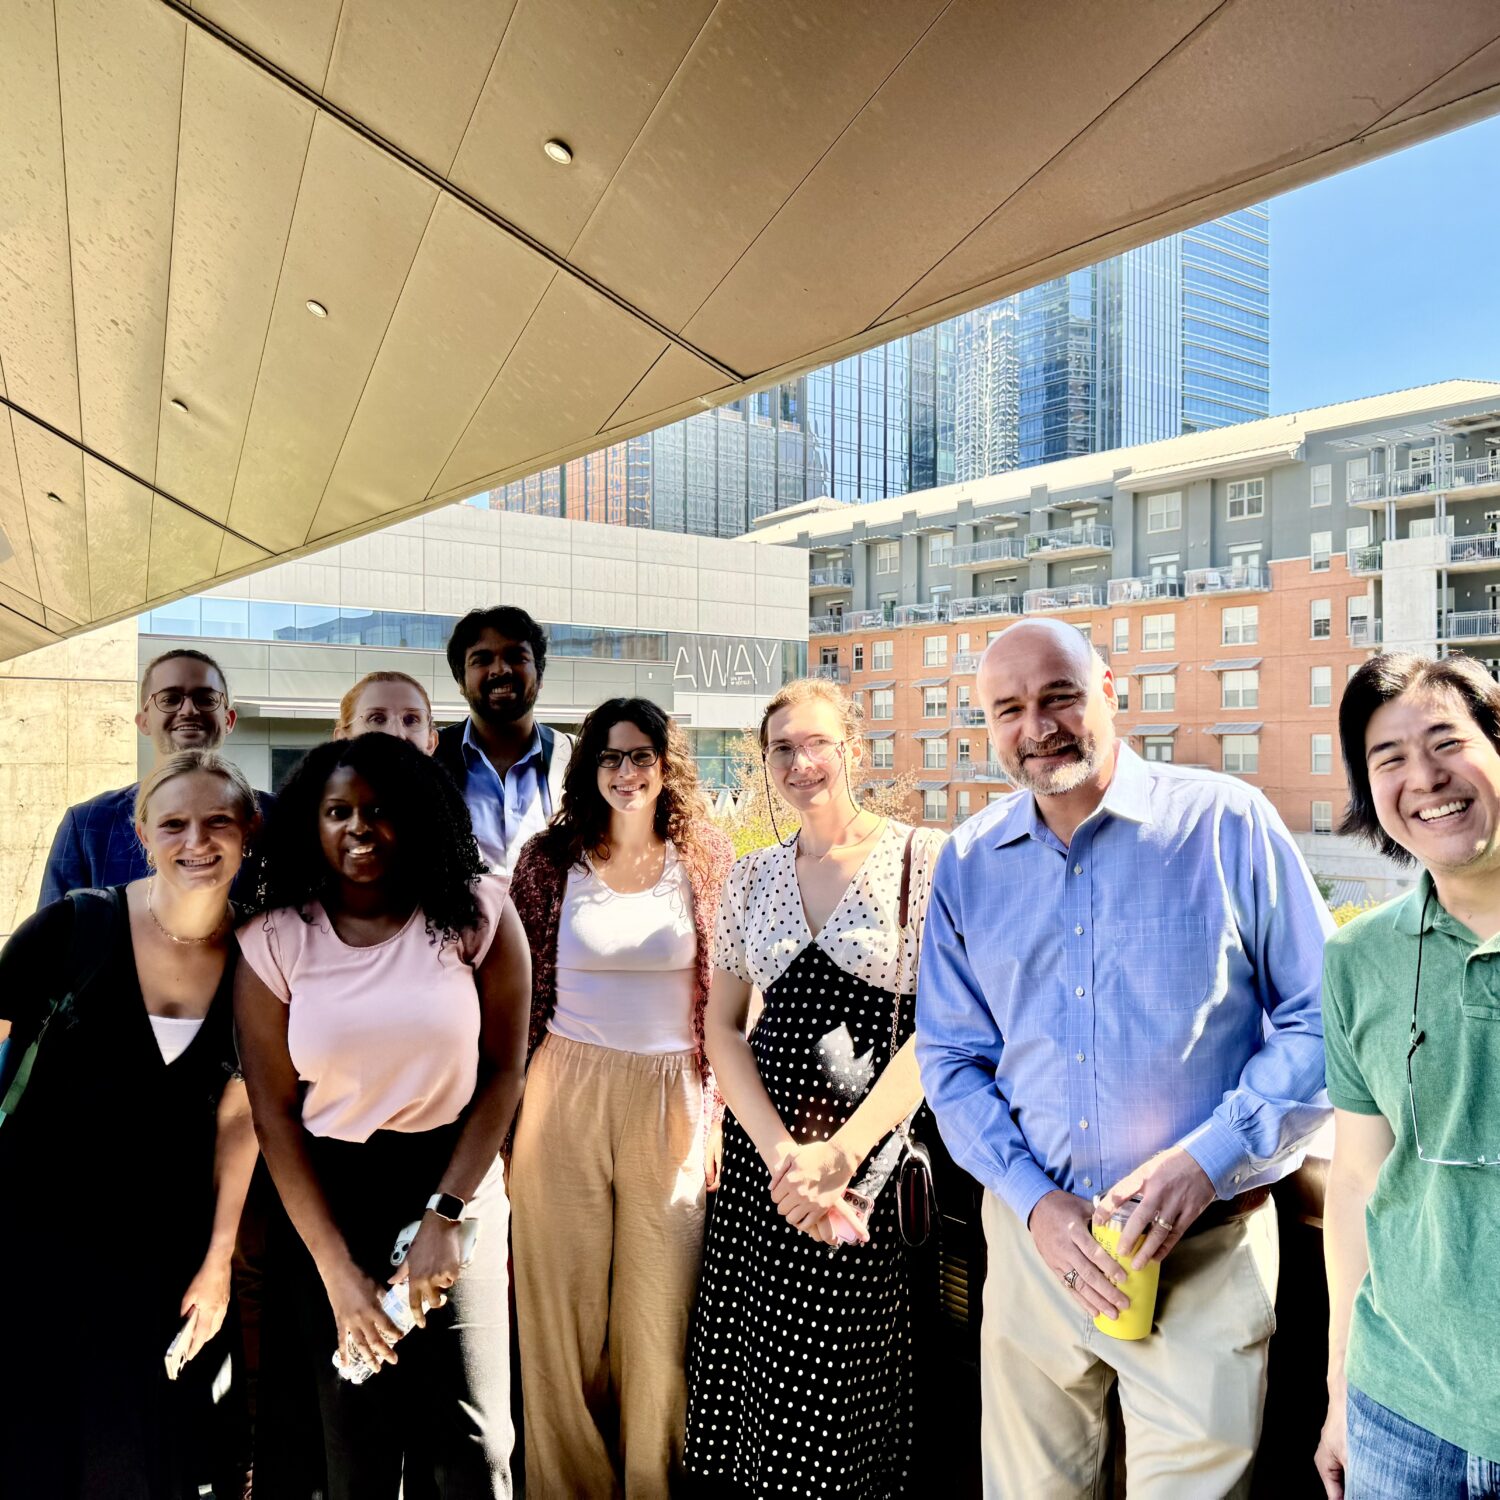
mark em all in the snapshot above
pixel 205 700
pixel 1417 1038
pixel 821 751
pixel 378 719
pixel 611 760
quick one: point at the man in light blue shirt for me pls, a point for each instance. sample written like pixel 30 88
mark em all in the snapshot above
pixel 1119 999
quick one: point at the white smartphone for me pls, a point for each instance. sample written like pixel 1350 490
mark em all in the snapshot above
pixel 176 1355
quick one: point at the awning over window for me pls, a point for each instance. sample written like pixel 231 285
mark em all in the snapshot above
pixel 1147 730
pixel 926 682
pixel 930 734
pixel 873 687
pixel 1233 729
pixel 1153 669
pixel 931 786
pixel 1246 664
pixel 880 734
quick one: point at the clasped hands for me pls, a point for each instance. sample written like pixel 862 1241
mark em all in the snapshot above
pixel 807 1179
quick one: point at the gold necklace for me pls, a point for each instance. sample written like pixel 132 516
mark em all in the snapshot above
pixel 166 932
pixel 846 848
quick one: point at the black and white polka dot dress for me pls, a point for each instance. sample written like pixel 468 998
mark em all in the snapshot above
pixel 800 1360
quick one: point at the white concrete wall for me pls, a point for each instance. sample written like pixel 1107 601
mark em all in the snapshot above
pixel 1409 605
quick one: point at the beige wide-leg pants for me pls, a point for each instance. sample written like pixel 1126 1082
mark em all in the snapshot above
pixel 607 1204
pixel 1191 1393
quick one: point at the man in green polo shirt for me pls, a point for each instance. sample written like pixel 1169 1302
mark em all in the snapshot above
pixel 1411 1019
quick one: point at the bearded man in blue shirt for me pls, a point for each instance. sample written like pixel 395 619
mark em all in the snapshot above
pixel 1119 1000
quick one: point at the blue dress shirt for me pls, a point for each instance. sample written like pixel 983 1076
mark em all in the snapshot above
pixel 506 811
pixel 1155 983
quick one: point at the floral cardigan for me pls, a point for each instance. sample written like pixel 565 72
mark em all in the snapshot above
pixel 537 889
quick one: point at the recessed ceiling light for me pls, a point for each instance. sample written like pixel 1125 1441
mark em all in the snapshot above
pixel 177 405
pixel 316 309
pixel 55 497
pixel 560 151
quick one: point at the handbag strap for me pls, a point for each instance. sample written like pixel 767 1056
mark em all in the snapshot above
pixel 903 912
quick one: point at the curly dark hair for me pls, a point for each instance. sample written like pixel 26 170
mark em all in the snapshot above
pixel 582 823
pixel 509 620
pixel 439 859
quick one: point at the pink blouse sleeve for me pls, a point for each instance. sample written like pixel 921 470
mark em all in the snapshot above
pixel 260 948
pixel 490 893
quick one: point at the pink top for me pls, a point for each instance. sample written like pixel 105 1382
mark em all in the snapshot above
pixel 385 1037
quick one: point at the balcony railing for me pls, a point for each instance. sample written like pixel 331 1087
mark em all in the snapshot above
pixel 1434 478
pixel 984 606
pixel 978 770
pixel 1226 580
pixel 829 671
pixel 1481 549
pixel 1093 538
pixel 965 662
pixel 830 578
pixel 998 549
pixel 1471 625
pixel 826 625
pixel 1364 632
pixel 920 614
pixel 1130 590
pixel 967 718
pixel 1366 559
pixel 1081 596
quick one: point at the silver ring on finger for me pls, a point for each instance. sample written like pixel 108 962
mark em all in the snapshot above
pixel 1070 1278
pixel 1162 1223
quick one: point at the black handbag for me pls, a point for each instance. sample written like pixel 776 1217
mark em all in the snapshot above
pixel 916 1196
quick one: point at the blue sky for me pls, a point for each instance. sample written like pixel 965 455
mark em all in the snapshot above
pixel 1386 275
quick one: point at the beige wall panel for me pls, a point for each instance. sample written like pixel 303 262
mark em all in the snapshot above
pixel 120 63
pixel 727 585
pixel 360 217
pixel 666 612
pixel 235 554
pixel 1357 63
pixel 36 286
pixel 19 569
pixel 1471 76
pixel 184 549
pixel 59 532
pixel 244 140
pixel 963 122
pixel 577 358
pixel 795 75
pixel 296 35
pixel 676 377
pixel 413 72
pixel 546 569
pixel 470 292
pixel 587 72
pixel 119 526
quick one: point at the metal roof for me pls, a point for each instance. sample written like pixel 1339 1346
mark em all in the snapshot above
pixel 1245 664
pixel 1142 730
pixel 1152 669
pixel 1250 728
pixel 926 682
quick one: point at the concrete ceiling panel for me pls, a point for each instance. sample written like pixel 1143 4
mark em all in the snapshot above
pixel 118 511
pixel 360 217
pixel 677 380
pixel 413 72
pixel 1477 71
pixel 19 634
pixel 589 74
pixel 244 142
pixel 471 291
pixel 800 74
pixel 59 530
pixel 184 549
pixel 19 569
pixel 296 35
pixel 236 554
pixel 121 73
pixel 37 345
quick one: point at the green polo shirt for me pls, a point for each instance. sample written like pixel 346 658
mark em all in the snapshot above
pixel 1424 1339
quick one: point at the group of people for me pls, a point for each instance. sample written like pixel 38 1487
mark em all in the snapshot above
pixel 492 1012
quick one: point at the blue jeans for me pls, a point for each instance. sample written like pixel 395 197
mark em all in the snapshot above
pixel 1393 1459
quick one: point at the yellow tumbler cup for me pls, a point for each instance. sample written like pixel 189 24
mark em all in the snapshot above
pixel 1140 1286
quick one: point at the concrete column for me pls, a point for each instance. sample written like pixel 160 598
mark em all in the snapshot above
pixel 1409 582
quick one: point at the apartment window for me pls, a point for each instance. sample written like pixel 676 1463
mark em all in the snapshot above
pixel 965 749
pixel 939 550
pixel 1322 484
pixel 887 558
pixel 882 655
pixel 1356 470
pixel 1322 619
pixel 1247 499
pixel 934 651
pixel 1240 626
pixel 1165 564
pixel 935 805
pixel 1164 512
pixel 963 807
pixel 859 658
pixel 1240 689
pixel 1322 754
pixel 1321 687
pixel 991 797
pixel 963 695
pixel 883 755
pixel 1158 692
pixel 935 703
pixel 1122 693
pixel 883 703
pixel 1359 616
pixel 962 644
pixel 934 755
pixel 1322 817
pixel 1120 640
pixel 1322 551
pixel 1157 747
pixel 828 656
pixel 1353 667
pixel 888 607
pixel 1158 632
pixel 1242 754
pixel 1428 526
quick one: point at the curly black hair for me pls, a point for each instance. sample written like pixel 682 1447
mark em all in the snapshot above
pixel 439 858
pixel 508 620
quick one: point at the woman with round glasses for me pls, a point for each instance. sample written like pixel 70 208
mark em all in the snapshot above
pixel 388 703
pixel 800 1364
pixel 618 898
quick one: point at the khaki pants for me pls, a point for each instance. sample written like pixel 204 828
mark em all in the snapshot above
pixel 1191 1393
pixel 607 1211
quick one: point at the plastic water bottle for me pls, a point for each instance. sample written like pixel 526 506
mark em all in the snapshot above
pixel 395 1303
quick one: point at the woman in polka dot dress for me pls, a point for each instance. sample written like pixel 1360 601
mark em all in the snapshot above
pixel 800 1359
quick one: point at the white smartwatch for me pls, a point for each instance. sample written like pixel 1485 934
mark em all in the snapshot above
pixel 446 1206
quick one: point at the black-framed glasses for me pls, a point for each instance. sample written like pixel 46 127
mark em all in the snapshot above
pixel 611 760
pixel 205 700
pixel 1418 1036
